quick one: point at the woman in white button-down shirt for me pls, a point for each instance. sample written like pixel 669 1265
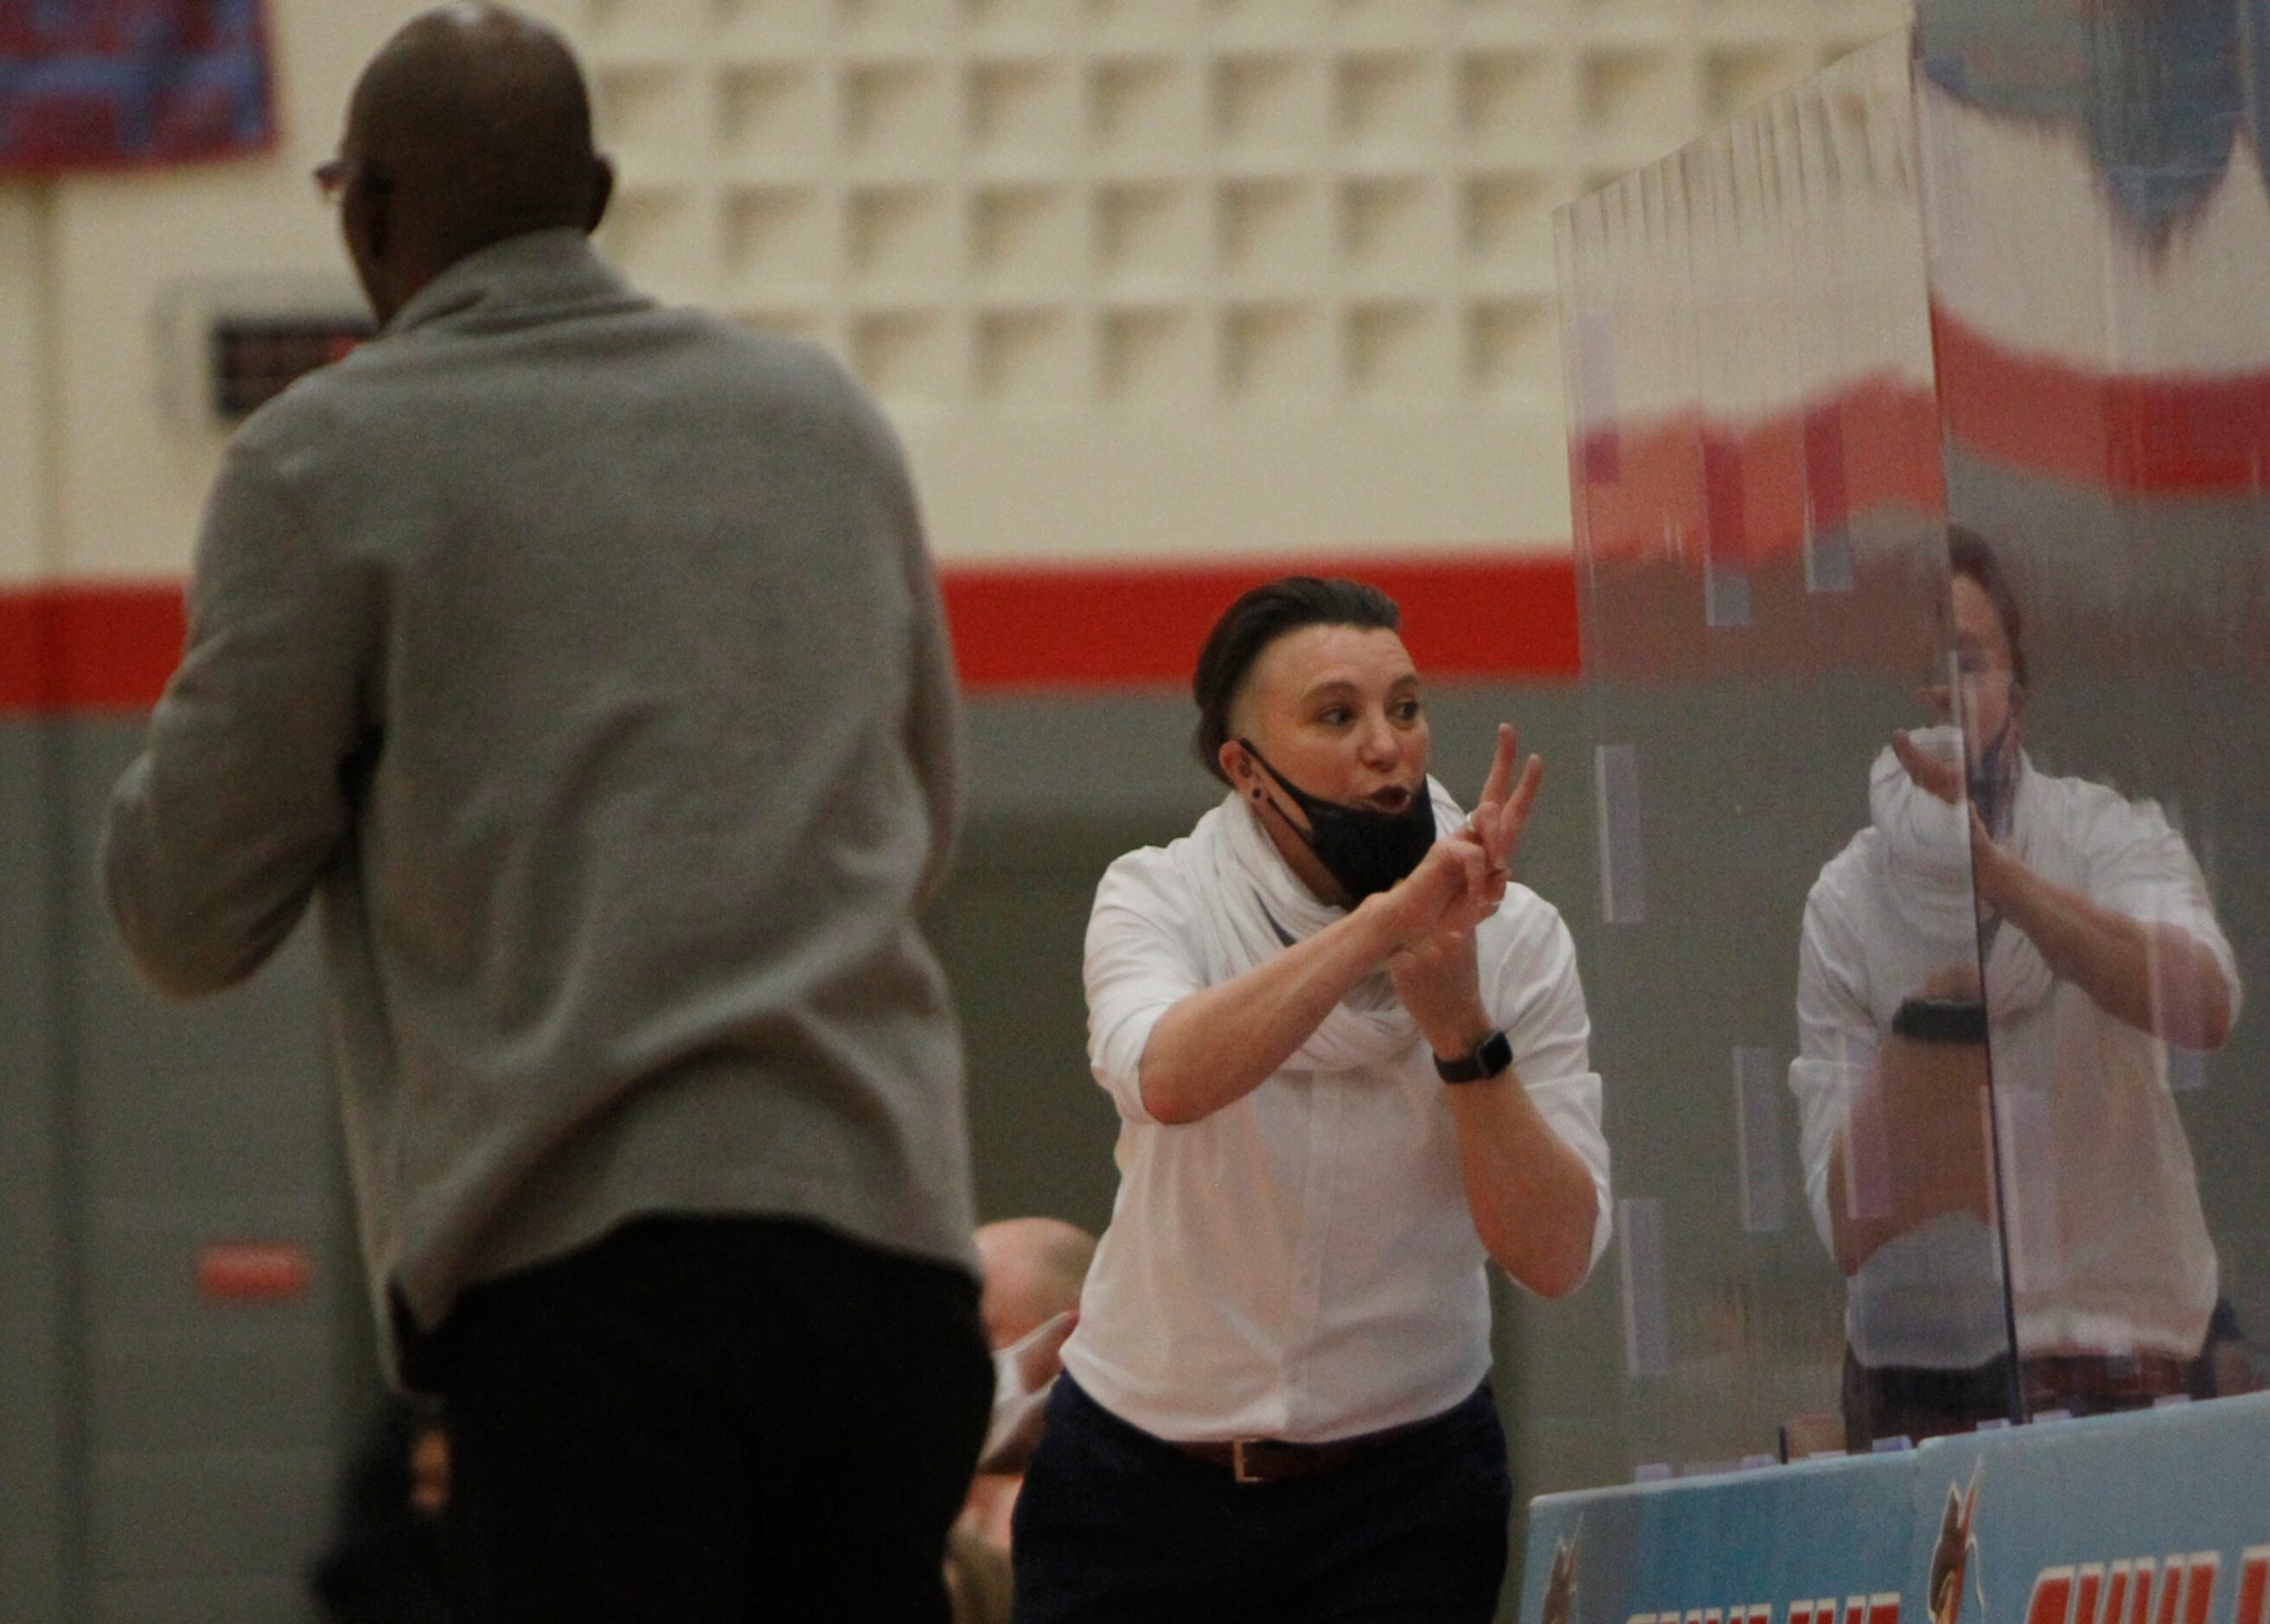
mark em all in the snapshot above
pixel 1274 1403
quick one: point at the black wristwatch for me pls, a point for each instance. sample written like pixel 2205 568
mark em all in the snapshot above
pixel 1487 1059
pixel 1940 1020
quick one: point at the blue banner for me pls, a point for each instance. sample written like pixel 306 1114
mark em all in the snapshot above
pixel 2156 1518
pixel 108 83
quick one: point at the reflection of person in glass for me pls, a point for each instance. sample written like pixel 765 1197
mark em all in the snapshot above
pixel 2099 948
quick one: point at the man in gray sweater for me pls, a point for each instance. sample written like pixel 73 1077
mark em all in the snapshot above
pixel 584 660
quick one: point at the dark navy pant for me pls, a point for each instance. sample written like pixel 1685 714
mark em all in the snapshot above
pixel 1117 1527
pixel 712 1420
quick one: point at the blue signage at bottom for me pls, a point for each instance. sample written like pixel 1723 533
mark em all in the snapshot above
pixel 2161 1517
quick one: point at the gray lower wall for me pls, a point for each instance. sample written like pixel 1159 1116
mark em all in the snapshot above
pixel 39 1312
pixel 179 1455
pixel 165 1457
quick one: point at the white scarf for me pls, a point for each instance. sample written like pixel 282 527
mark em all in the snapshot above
pixel 1253 907
pixel 1929 843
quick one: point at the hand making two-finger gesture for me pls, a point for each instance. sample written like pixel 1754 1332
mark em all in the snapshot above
pixel 1932 771
pixel 1436 974
pixel 1463 879
pixel 1498 818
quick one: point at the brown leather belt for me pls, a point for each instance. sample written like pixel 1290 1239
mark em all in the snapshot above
pixel 1274 1460
pixel 2055 1379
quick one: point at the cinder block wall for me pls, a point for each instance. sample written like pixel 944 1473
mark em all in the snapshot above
pixel 1164 281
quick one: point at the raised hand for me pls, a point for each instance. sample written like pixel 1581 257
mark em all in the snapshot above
pixel 1933 773
pixel 1994 873
pixel 1498 817
pixel 1439 980
pixel 1461 884
pixel 1447 895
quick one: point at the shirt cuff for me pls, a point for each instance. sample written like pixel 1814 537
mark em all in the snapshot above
pixel 1117 1061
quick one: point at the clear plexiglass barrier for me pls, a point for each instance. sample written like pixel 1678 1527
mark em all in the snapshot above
pixel 1917 424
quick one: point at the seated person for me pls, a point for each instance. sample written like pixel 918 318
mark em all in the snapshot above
pixel 1034 1268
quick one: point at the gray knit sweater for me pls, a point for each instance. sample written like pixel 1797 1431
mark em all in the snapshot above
pixel 585 660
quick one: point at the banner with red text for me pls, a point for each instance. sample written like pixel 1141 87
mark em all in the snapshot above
pixel 2161 1517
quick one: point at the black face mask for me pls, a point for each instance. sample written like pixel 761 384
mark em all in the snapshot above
pixel 1994 782
pixel 1367 851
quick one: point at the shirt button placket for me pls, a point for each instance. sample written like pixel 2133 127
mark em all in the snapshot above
pixel 1326 1105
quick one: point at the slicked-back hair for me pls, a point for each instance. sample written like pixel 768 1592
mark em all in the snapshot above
pixel 1968 555
pixel 1260 617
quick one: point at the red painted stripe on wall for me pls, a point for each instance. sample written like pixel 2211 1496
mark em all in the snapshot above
pixel 1474 617
pixel 108 649
pixel 2130 433
pixel 1695 486
pixel 1678 490
pixel 88 648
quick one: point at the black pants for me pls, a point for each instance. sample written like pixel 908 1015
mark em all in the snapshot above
pixel 1115 1527
pixel 711 1420
pixel 1912 1401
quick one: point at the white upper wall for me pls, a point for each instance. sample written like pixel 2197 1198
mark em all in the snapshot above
pixel 1136 277
pixel 1766 266
pixel 23 462
pixel 2192 304
pixel 132 448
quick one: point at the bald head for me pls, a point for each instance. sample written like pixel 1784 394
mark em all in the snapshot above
pixel 1033 1270
pixel 471 126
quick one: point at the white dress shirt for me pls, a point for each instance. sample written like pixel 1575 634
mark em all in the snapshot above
pixel 1302 1264
pixel 2108 1250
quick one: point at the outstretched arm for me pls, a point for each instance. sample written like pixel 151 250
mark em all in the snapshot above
pixel 2157 977
pixel 1913 1147
pixel 1219 1044
pixel 1533 1201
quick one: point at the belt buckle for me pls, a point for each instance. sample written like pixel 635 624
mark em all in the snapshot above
pixel 1238 1470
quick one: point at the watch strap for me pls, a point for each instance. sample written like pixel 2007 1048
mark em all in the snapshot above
pixel 1940 1020
pixel 1487 1059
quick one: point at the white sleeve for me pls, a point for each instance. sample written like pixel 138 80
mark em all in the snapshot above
pixel 1836 1040
pixel 1140 962
pixel 1534 994
pixel 2140 867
